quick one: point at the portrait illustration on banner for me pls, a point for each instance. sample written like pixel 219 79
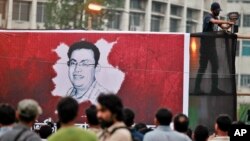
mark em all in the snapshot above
pixel 84 72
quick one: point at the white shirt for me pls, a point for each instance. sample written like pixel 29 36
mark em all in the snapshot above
pixel 90 95
pixel 220 138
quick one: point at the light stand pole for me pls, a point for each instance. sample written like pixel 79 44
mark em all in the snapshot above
pixel 95 8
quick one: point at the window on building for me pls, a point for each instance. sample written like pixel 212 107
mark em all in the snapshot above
pixel 245 48
pixel 135 19
pixel 245 81
pixel 191 27
pixel 21 10
pixel 246 20
pixel 239 21
pixel 238 48
pixel 2 8
pixel 245 1
pixel 192 14
pixel 176 10
pixel 120 3
pixel 233 0
pixel 114 20
pixel 137 4
pixel 174 24
pixel 158 7
pixel 41 12
pixel 156 23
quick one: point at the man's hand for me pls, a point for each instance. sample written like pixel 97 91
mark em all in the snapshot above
pixel 230 23
pixel 225 26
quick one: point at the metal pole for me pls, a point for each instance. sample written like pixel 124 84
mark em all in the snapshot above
pixel 89 22
pixel 243 36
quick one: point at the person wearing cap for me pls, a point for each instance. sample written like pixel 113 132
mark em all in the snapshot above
pixel 211 20
pixel 208 51
pixel 27 112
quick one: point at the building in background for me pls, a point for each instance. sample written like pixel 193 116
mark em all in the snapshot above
pixel 242 58
pixel 243 50
pixel 135 15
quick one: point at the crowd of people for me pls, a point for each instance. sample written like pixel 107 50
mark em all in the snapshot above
pixel 108 121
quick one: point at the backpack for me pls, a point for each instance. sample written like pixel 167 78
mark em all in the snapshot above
pixel 130 131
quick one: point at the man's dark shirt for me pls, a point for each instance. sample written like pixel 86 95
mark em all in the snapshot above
pixel 136 135
pixel 207 25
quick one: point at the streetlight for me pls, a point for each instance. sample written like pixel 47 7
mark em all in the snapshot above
pixel 95 8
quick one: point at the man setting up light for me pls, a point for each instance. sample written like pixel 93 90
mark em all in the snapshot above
pixel 208 52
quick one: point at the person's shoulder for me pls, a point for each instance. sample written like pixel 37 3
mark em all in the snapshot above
pixel 137 135
pixel 151 136
pixel 208 16
pixel 57 135
pixel 7 135
pixel 33 137
pixel 85 133
pixel 122 131
pixel 53 137
pixel 217 138
pixel 10 135
pixel 122 134
pixel 151 133
pixel 72 131
pixel 181 136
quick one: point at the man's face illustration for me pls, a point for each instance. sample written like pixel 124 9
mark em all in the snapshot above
pixel 82 68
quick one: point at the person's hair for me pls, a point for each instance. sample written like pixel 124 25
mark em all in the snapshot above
pixel 85 45
pixel 164 116
pixel 25 118
pixel 45 131
pixel 113 103
pixel 181 123
pixel 91 115
pixel 128 117
pixel 7 113
pixel 224 122
pixel 67 109
pixel 201 133
pixel 28 110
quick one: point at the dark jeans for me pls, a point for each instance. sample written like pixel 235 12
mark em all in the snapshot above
pixel 208 53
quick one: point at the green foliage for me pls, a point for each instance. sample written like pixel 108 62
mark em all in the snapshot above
pixel 242 112
pixel 74 14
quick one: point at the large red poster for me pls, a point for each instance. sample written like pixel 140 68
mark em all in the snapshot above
pixel 147 70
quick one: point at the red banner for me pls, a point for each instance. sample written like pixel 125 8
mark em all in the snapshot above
pixel 147 70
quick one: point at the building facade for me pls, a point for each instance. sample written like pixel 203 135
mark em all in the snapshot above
pixel 146 15
pixel 243 52
pixel 135 15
